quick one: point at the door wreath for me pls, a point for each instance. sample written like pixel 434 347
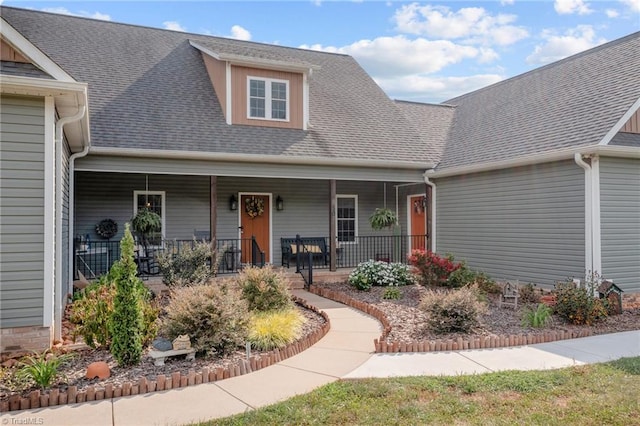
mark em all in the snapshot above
pixel 107 228
pixel 254 206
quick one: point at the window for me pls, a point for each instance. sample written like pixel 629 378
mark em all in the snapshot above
pixel 154 201
pixel 347 217
pixel 268 99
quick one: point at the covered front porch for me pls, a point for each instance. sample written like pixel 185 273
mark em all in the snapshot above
pixel 255 220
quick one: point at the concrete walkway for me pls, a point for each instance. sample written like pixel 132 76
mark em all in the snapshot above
pixel 345 352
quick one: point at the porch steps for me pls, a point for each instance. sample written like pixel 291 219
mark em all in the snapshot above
pixel 319 276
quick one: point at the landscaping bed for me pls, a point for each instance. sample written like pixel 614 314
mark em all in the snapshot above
pixel 405 330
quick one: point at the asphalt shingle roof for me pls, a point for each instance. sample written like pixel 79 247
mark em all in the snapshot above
pixel 570 103
pixel 149 89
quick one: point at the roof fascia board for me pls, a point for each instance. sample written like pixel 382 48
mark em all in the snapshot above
pixel 248 61
pixel 623 120
pixel 567 154
pixel 255 158
pixel 44 87
pixel 29 50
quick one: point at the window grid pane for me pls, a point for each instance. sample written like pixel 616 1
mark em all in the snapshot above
pixel 346 219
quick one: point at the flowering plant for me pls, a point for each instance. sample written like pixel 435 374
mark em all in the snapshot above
pixel 432 268
pixel 254 206
pixel 379 273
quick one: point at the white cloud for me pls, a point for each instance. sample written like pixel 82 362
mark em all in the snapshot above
pixel 471 24
pixel 569 7
pixel 65 11
pixel 634 5
pixel 507 2
pixel 400 56
pixel 240 33
pixel 423 88
pixel 556 47
pixel 612 13
pixel 173 26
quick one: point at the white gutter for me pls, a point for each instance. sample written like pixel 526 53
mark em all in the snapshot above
pixel 527 160
pixel 259 158
pixel 58 228
pixel 433 210
pixel 588 211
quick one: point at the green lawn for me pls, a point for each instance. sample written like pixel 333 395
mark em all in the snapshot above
pixel 599 394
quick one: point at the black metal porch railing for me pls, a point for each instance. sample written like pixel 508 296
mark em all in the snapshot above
pixel 96 257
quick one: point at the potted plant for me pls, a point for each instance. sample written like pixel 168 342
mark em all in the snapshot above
pixel 146 223
pixel 382 218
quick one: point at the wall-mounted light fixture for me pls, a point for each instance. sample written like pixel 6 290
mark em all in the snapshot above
pixel 279 203
pixel 233 203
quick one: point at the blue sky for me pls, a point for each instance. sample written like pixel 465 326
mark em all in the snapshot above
pixel 420 51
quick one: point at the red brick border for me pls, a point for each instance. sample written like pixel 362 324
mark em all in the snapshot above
pixel 53 397
pixel 473 342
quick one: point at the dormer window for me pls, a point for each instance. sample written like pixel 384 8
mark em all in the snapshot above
pixel 268 99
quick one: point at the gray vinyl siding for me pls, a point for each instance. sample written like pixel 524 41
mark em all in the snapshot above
pixel 620 221
pixel 523 224
pixel 306 203
pixel 22 213
pixel 122 164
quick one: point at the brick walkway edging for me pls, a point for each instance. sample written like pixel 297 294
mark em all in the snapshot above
pixel 479 342
pixel 54 397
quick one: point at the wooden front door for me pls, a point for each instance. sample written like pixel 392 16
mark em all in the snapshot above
pixel 255 220
pixel 418 222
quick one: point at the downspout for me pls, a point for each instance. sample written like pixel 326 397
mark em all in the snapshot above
pixel 72 201
pixel 595 219
pixel 433 212
pixel 588 212
pixel 57 293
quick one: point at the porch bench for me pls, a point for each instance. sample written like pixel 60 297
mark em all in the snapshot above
pixel 317 246
pixel 160 356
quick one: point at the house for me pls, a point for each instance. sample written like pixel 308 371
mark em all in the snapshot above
pixel 238 139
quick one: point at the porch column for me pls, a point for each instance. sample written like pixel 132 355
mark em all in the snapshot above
pixel 333 235
pixel 213 207
pixel 429 215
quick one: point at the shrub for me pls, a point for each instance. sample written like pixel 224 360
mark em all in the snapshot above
pixel 538 317
pixel 264 289
pixel 379 273
pixel 529 294
pixel 463 276
pixel 275 329
pixel 41 368
pixel 432 268
pixel 127 325
pixel 579 305
pixel 452 311
pixel 392 293
pixel 190 265
pixel 93 308
pixel 91 312
pixel 214 316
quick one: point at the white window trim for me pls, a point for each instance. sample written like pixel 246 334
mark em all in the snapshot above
pixel 163 206
pixel 267 99
pixel 355 236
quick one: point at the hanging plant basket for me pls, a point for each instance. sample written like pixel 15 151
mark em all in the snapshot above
pixel 382 218
pixel 254 207
pixel 107 228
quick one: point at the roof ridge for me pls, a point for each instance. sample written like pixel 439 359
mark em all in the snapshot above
pixel 186 33
pixel 554 64
pixel 424 103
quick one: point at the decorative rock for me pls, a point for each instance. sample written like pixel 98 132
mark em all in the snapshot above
pixel 162 344
pixel 98 369
pixel 182 342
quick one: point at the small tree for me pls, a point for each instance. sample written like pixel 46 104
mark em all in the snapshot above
pixel 126 322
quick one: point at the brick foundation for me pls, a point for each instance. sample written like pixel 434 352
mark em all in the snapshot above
pixel 19 339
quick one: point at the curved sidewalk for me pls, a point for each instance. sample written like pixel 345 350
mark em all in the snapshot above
pixel 345 352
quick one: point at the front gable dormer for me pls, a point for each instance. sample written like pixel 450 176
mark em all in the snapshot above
pixel 256 91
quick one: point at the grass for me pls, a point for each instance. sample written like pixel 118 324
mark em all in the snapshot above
pixel 594 394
